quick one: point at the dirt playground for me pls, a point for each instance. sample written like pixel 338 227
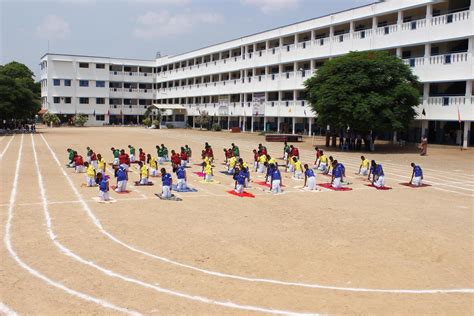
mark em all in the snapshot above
pixel 402 251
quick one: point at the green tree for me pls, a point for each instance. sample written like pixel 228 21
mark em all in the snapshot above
pixel 366 91
pixel 80 119
pixel 19 94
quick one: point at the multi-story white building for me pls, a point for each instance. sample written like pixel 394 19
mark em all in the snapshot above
pixel 256 82
pixel 108 90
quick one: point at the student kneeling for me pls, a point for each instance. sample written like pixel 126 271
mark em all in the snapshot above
pixel 239 178
pixel 167 181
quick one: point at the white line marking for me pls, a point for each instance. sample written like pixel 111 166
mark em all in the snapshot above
pixel 13 254
pixel 6 147
pixel 106 271
pixel 7 311
pixel 97 223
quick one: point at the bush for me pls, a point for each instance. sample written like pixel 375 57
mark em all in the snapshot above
pixel 216 127
pixel 169 125
pixel 49 118
pixel 156 123
pixel 80 119
pixel 147 122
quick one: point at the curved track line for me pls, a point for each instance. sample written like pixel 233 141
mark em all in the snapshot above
pixel 97 223
pixel 111 273
pixel 13 254
pixel 6 147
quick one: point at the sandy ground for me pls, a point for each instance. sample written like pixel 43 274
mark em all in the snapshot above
pixel 403 251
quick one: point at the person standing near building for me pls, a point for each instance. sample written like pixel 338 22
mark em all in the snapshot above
pixel 424 146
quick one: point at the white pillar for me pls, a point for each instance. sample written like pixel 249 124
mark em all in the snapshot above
pixel 467 128
pixel 469 90
pixel 228 122
pixel 429 11
pixel 194 122
pixel 400 18
pixel 278 124
pixel 251 124
pixel 293 120
pixel 264 123
pixel 374 22
pixel 244 120
pixel 399 52
pixel 427 50
pixel 310 123
pixel 426 91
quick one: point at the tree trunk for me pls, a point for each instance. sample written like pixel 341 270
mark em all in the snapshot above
pixel 328 139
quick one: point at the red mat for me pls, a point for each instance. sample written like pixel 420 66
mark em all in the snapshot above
pixel 113 187
pixel 244 194
pixel 329 186
pixel 381 188
pixel 199 174
pixel 263 183
pixel 413 186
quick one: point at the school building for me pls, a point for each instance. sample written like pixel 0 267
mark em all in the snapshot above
pixel 256 82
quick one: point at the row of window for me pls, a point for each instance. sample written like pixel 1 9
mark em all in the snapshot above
pixel 82 83
pixel 67 100
pixel 85 100
pixel 86 65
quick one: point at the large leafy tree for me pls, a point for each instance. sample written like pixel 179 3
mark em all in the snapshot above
pixel 366 91
pixel 19 94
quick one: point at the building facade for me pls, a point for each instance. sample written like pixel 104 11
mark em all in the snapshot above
pixel 256 82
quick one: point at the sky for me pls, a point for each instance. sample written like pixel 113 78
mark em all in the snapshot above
pixel 141 28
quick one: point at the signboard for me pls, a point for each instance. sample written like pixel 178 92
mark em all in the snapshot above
pixel 223 99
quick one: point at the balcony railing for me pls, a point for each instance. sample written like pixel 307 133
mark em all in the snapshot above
pixel 450 18
pixel 449 58
pixel 341 38
pixel 414 62
pixel 362 34
pixel 414 25
pixel 447 101
pixel 357 35
pixel 386 30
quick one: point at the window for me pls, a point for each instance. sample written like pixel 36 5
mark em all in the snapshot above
pixel 100 100
pixel 100 117
pixel 100 66
pixel 100 84
pixel 179 118
pixel 67 100
pixel 56 99
pixel 56 82
pixel 84 100
pixel 83 65
pixel 83 83
pixel 67 82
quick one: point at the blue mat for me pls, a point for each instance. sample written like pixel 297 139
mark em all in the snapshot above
pixel 226 173
pixel 188 189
